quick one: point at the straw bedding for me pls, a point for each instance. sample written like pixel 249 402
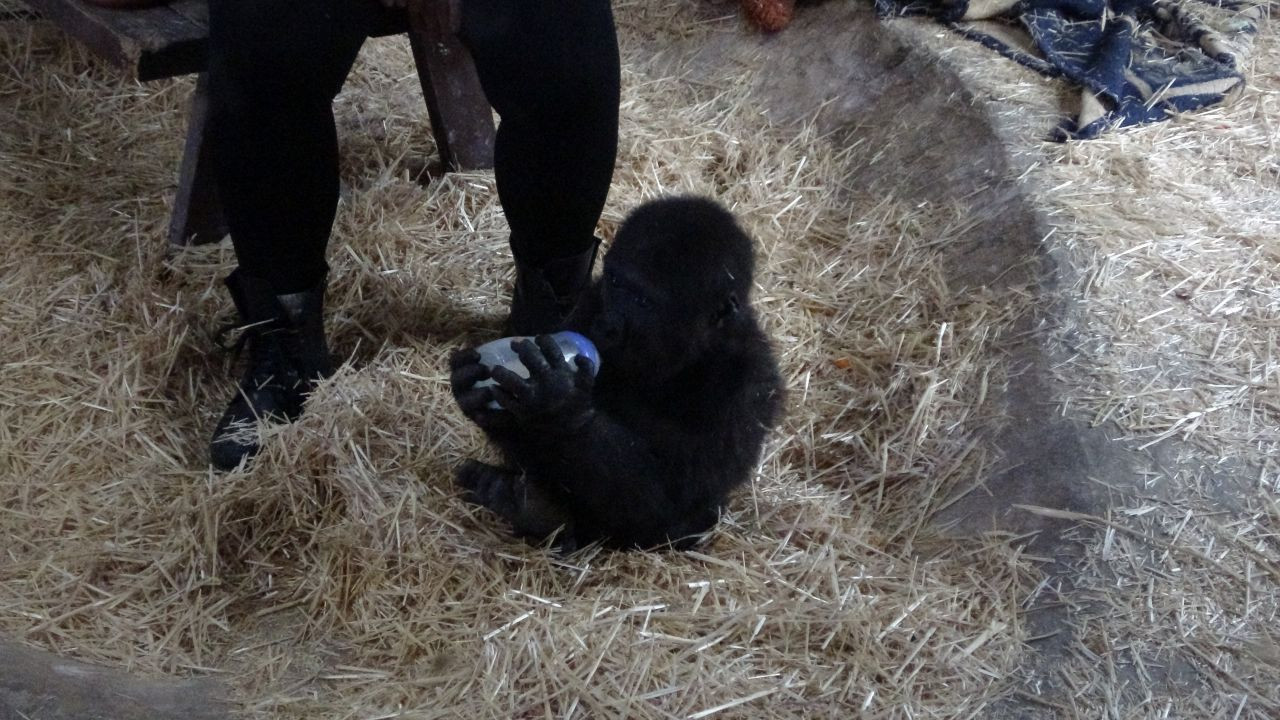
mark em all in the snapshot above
pixel 340 576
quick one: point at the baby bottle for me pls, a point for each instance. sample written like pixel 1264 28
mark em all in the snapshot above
pixel 498 353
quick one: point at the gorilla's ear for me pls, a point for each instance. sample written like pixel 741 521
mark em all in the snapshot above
pixel 727 309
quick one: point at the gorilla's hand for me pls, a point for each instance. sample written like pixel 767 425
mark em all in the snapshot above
pixel 556 397
pixel 465 371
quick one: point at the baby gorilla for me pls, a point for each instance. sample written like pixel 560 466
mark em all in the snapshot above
pixel 645 453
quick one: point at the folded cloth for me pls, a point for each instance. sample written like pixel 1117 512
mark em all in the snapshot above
pixel 1136 61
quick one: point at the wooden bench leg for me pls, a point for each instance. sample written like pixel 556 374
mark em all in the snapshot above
pixel 461 118
pixel 197 214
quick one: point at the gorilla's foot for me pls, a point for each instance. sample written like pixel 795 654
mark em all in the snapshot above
pixel 534 512
pixel 488 486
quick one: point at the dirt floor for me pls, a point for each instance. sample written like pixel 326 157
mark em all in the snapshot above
pixel 1027 468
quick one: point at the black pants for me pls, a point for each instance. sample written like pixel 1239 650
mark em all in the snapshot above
pixel 548 67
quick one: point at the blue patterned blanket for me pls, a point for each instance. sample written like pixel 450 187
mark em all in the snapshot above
pixel 1135 61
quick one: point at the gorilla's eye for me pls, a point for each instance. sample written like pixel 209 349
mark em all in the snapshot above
pixel 627 291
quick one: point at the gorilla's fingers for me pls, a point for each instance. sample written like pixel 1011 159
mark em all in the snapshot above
pixel 503 398
pixel 495 421
pixel 551 352
pixel 584 376
pixel 462 358
pixel 475 398
pixel 514 385
pixel 475 405
pixel 533 357
pixel 465 377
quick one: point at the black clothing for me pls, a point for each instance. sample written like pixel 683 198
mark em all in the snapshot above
pixel 548 67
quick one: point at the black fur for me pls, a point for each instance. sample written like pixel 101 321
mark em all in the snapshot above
pixel 645 453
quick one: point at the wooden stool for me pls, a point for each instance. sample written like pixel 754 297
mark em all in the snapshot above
pixel 170 40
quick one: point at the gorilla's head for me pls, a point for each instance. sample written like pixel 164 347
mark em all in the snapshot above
pixel 676 281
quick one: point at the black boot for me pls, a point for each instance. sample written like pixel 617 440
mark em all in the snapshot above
pixel 545 294
pixel 287 356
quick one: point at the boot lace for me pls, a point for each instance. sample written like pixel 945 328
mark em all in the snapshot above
pixel 269 362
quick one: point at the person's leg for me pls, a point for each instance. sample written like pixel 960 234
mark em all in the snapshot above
pixel 274 69
pixel 551 71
